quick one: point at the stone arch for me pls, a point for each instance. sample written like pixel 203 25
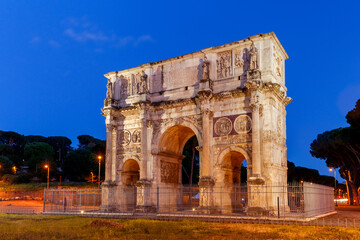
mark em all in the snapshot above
pixel 233 149
pixel 130 157
pixel 159 134
pixel 131 172
pixel 233 193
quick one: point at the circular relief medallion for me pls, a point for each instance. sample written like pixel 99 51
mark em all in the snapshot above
pixel 242 124
pixel 223 126
pixel 124 137
pixel 136 136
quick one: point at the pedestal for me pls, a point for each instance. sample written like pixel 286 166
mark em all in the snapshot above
pixel 257 197
pixel 206 191
pixel 108 201
pixel 143 196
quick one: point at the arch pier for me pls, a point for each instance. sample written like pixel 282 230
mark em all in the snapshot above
pixel 231 97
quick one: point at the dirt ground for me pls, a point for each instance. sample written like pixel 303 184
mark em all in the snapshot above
pixel 22 203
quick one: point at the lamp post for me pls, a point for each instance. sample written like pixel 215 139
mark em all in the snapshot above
pixel 48 168
pixel 99 157
pixel 333 169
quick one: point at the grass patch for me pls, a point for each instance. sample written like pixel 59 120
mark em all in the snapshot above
pixel 59 227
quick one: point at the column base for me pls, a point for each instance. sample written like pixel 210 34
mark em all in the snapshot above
pixel 206 201
pixel 143 196
pixel 257 211
pixel 108 203
pixel 256 180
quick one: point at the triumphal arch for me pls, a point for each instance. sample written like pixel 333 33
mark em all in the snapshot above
pixel 231 97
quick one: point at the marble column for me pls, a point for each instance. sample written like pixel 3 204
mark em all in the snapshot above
pixel 256 154
pixel 206 181
pixel 108 203
pixel 143 186
pixel 114 154
pixel 109 153
pixel 205 161
pixel 144 155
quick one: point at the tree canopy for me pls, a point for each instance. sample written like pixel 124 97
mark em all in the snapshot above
pixel 340 148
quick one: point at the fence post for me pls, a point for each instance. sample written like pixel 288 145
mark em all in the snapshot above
pixel 157 198
pixel 278 206
pixel 44 199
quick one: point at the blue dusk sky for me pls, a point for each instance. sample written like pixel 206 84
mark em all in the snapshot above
pixel 53 55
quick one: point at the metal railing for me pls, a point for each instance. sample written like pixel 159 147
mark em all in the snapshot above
pixel 63 200
pixel 302 200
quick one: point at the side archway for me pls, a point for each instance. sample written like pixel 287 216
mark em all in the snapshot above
pixel 131 172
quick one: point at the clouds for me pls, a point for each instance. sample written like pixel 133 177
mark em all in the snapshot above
pixel 83 31
pixel 54 43
pixel 35 40
pixel 84 35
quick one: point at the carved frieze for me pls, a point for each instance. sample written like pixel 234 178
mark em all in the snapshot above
pixel 239 59
pixel 232 139
pixel 269 135
pixel 242 124
pixel 169 172
pixel 129 149
pixel 223 126
pixel 224 65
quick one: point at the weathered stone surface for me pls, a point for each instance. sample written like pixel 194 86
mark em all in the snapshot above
pixel 232 97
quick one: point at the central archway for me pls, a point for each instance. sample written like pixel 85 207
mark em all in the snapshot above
pixel 174 195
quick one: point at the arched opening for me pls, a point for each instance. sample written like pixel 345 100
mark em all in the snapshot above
pixel 178 160
pixel 131 171
pixel 131 174
pixel 190 164
pixel 234 177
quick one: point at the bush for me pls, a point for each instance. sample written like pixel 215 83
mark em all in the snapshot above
pixel 13 179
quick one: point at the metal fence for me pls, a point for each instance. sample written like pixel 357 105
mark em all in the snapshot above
pixel 62 200
pixel 301 200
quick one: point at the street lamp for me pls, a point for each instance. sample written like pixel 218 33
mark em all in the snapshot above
pixel 46 166
pixel 333 169
pixel 99 157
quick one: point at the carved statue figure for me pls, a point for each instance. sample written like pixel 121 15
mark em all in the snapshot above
pixel 253 57
pixel 205 66
pixel 143 82
pixel 109 93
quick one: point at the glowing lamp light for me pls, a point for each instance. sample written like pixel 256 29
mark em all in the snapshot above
pixel 82 211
